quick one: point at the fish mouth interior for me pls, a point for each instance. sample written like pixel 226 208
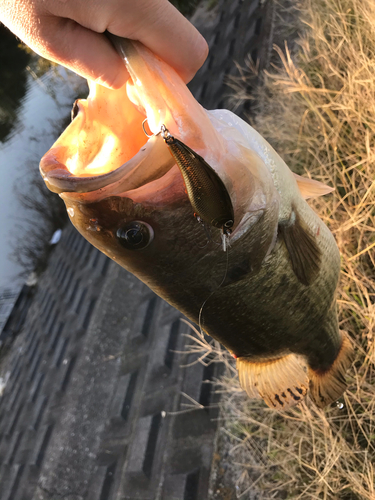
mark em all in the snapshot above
pixel 105 134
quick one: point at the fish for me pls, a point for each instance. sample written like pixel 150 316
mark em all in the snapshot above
pixel 270 297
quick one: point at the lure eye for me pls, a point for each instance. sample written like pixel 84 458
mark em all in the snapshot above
pixel 135 235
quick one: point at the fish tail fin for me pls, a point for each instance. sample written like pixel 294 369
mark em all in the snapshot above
pixel 326 387
pixel 281 382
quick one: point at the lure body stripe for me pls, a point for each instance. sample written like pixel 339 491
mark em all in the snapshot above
pixel 206 191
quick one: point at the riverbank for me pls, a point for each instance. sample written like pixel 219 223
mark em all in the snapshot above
pixel 317 110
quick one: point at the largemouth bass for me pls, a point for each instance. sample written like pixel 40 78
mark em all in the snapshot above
pixel 275 311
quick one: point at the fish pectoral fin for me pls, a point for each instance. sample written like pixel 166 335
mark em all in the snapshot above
pixel 281 382
pixel 326 387
pixel 309 188
pixel 303 249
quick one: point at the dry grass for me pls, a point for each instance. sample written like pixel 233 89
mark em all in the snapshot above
pixel 318 111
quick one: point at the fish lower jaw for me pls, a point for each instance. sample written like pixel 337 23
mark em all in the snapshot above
pixel 151 162
pixel 102 145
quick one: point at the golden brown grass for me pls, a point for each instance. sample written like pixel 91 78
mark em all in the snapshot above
pixel 318 111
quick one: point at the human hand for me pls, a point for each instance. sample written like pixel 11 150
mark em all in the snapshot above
pixel 71 33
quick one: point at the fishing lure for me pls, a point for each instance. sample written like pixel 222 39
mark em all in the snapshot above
pixel 206 191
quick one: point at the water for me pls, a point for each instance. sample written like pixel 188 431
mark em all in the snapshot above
pixel 31 114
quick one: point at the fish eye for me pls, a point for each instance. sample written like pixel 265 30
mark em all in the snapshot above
pixel 135 235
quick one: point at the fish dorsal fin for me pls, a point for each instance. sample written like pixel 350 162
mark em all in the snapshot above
pixel 326 387
pixel 303 249
pixel 310 188
pixel 281 382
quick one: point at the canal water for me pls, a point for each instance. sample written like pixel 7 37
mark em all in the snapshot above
pixel 35 98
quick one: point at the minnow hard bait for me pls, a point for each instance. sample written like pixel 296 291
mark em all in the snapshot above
pixel 206 191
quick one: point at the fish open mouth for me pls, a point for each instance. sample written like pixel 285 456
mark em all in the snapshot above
pixel 105 153
pixel 104 145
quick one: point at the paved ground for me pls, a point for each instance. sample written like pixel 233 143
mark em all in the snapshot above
pixel 95 406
